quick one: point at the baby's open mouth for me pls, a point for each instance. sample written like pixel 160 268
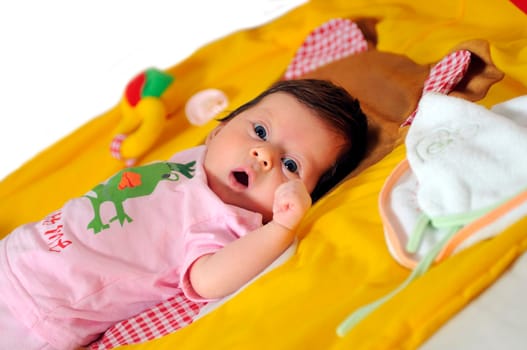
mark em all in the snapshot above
pixel 241 177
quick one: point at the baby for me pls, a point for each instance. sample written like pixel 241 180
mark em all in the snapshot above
pixel 207 221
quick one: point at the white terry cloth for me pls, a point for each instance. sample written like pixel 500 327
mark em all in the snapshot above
pixel 463 162
pixel 465 179
pixel 465 157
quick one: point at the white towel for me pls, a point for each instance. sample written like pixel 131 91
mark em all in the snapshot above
pixel 465 157
pixel 464 161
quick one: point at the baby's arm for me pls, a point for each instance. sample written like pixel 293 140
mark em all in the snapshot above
pixel 222 273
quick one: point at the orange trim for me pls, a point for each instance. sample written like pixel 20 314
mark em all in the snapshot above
pixel 385 211
pixel 480 223
pixel 393 235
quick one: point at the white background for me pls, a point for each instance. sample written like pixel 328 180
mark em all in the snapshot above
pixel 64 62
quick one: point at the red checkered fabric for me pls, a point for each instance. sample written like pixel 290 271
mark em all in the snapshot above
pixel 115 149
pixel 165 318
pixel 445 75
pixel 115 146
pixel 331 41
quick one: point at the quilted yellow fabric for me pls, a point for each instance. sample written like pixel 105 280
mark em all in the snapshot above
pixel 342 261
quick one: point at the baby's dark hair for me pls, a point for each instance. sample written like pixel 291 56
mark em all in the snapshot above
pixel 339 110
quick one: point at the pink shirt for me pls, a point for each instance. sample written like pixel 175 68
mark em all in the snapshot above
pixel 124 247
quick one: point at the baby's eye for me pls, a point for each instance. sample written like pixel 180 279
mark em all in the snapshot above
pixel 290 165
pixel 260 131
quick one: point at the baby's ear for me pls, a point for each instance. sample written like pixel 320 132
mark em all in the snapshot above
pixel 214 132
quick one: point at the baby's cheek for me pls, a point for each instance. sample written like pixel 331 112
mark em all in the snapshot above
pixel 266 199
pixel 258 200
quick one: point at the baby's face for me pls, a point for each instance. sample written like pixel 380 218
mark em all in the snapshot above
pixel 277 140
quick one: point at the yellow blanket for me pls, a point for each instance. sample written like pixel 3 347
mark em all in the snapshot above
pixel 342 261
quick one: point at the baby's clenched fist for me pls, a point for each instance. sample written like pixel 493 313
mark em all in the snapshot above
pixel 291 201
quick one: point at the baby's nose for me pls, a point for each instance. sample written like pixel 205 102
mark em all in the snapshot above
pixel 263 156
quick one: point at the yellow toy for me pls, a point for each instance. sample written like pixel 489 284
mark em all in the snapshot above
pixel 144 113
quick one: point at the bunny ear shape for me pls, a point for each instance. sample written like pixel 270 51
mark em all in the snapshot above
pixel 468 72
pixel 333 40
pixel 481 73
pixel 445 75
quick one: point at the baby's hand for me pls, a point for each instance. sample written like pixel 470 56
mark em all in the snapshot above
pixel 291 201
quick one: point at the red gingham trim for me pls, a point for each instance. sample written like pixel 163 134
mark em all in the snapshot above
pixel 115 146
pixel 445 75
pixel 167 317
pixel 331 41
pixel 115 149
